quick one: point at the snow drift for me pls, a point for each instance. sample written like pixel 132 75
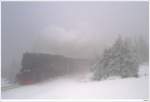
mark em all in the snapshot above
pixel 65 88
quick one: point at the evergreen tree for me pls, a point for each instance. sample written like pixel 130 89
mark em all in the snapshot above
pixel 119 60
pixel 141 47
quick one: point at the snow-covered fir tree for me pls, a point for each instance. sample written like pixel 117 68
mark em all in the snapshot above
pixel 119 60
pixel 141 46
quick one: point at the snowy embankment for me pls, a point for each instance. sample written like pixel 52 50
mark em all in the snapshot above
pixel 73 88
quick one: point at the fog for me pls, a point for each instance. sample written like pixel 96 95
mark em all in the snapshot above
pixel 73 29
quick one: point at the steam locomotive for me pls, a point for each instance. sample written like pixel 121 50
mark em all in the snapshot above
pixel 37 67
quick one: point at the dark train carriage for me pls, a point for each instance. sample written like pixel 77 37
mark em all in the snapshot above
pixel 38 67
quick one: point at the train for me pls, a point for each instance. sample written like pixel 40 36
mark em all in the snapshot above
pixel 37 67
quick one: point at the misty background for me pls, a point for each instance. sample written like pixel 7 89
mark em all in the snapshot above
pixel 73 29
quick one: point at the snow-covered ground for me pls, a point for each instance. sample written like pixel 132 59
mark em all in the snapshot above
pixel 5 82
pixel 78 88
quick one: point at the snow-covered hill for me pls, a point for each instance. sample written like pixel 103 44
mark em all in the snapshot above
pixel 72 88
